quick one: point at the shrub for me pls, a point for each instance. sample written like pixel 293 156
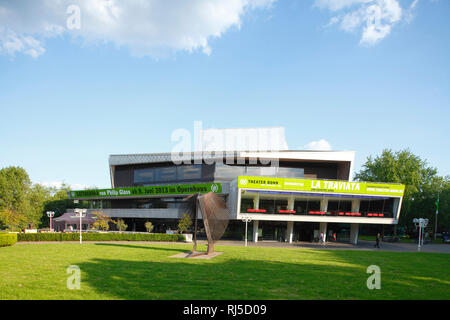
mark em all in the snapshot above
pixel 121 225
pixel 149 226
pixel 185 223
pixel 100 237
pixel 7 239
pixel 102 221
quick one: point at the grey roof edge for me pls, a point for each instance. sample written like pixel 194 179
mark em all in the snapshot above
pixel 124 159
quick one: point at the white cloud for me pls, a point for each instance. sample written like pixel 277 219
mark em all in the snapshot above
pixel 146 27
pixel 374 19
pixel 410 13
pixel 322 145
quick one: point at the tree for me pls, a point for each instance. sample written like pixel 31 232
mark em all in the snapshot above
pixel 121 225
pixel 102 221
pixel 20 197
pixel 12 221
pixel 422 184
pixel 59 202
pixel 444 207
pixel 39 196
pixel 185 223
pixel 149 226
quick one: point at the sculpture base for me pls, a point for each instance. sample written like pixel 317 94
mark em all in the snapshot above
pixel 197 255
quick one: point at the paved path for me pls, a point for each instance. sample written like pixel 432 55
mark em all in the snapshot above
pixel 362 245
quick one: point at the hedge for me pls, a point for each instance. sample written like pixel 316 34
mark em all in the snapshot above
pixel 7 239
pixel 100 237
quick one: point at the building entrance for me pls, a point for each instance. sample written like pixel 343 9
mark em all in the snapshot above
pixel 272 231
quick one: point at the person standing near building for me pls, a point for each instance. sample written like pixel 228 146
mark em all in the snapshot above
pixel 377 240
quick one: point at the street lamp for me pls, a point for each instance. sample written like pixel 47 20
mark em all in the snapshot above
pixel 50 214
pixel 421 223
pixel 80 213
pixel 246 219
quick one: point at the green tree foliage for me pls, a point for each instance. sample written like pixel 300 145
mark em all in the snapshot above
pixel 121 225
pixel 421 181
pixel 149 226
pixel 102 221
pixel 12 221
pixel 21 199
pixel 59 202
pixel 185 223
pixel 444 207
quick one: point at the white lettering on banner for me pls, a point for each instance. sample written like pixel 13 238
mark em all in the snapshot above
pixel 112 192
pixel 336 185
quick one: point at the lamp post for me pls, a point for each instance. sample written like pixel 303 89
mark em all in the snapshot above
pixel 50 214
pixel 246 219
pixel 80 213
pixel 421 223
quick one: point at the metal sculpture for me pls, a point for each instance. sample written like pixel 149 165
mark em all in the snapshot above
pixel 215 215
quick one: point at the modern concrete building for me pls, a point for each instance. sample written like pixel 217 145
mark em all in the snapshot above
pixel 288 195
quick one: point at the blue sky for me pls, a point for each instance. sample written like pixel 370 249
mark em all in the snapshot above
pixel 70 98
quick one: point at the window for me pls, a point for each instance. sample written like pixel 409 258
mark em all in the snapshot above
pixel 143 176
pixel 382 206
pixel 294 173
pixel 268 205
pixel 313 205
pixel 224 171
pixel 189 172
pixel 334 207
pixel 300 206
pixel 165 174
pixel 280 205
pixel 246 204
pixel 261 171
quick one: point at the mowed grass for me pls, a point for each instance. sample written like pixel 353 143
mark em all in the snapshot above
pixel 146 271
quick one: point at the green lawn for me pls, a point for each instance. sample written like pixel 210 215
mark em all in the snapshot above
pixel 145 271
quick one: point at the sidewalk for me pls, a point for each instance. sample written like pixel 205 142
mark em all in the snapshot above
pixel 362 245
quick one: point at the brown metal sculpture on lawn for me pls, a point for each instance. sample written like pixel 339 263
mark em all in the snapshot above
pixel 215 215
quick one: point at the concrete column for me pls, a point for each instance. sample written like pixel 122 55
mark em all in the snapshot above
pixel 355 205
pixel 323 229
pixel 291 202
pixel 256 202
pixel 290 231
pixel 255 230
pixel 324 205
pixel 354 230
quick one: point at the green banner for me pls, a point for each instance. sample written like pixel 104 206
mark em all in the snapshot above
pixel 147 191
pixel 346 187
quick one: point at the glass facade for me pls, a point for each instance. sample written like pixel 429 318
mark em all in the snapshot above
pixel 144 176
pixel 227 172
pixel 311 205
pixel 203 172
pixel 167 174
